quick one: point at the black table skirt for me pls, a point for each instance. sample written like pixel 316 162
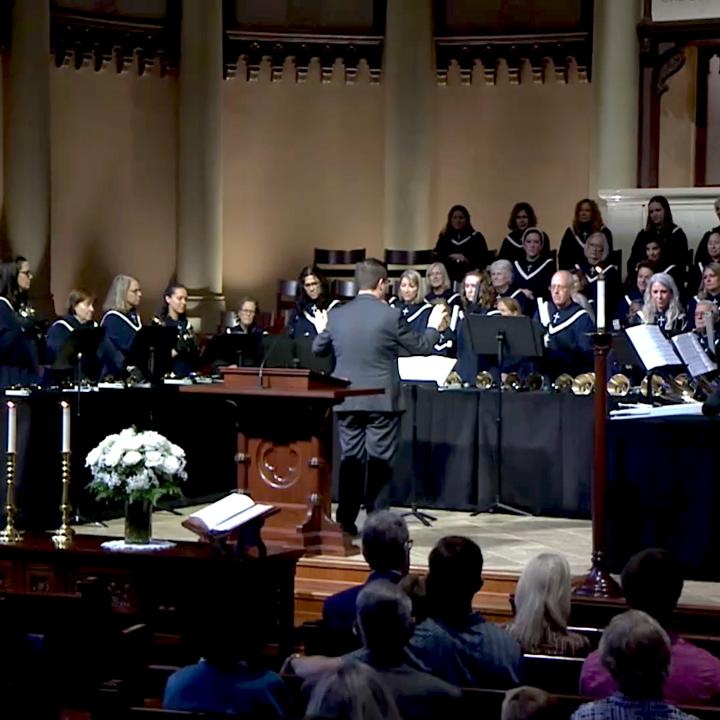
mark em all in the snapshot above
pixel 451 451
pixel 663 491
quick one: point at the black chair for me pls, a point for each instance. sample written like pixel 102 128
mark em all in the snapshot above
pixel 400 260
pixel 285 302
pixel 343 290
pixel 337 263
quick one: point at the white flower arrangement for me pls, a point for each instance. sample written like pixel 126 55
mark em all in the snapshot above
pixel 135 465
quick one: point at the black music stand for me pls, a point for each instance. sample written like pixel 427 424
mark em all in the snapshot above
pixel 241 349
pixel 308 360
pixel 151 351
pixel 502 336
pixel 279 351
pixel 79 355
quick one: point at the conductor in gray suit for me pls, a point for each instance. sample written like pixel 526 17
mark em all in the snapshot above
pixel 367 335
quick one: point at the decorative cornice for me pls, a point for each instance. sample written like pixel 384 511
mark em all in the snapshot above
pixel 537 50
pixel 253 48
pixel 79 39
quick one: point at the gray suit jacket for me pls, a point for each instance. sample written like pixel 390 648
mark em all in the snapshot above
pixel 367 336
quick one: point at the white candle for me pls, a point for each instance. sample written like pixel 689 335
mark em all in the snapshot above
pixel 65 426
pixel 12 427
pixel 600 305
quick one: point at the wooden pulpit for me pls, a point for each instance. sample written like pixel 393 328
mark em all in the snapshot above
pixel 284 424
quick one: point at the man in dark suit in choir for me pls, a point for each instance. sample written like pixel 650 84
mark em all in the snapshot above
pixel 367 336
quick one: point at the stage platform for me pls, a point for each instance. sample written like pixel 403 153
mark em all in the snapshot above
pixel 507 542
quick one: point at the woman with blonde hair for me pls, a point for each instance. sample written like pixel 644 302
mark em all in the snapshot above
pixel 121 322
pixel 439 285
pixel 414 309
pixel 542 609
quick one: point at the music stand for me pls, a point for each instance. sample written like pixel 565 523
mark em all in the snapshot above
pixel 241 349
pixel 308 360
pixel 78 353
pixel 502 336
pixel 279 351
pixel 151 351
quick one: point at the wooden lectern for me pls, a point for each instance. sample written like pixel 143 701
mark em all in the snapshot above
pixel 284 426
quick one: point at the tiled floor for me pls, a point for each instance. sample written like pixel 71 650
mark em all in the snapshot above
pixel 508 542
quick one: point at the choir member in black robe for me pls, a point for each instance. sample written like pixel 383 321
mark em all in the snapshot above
pixel 312 298
pixel 702 255
pixel 246 317
pixel 586 221
pixel 597 263
pixel 172 314
pixel 18 350
pixel 459 246
pixel 121 322
pixel 413 309
pixel 440 286
pixel 662 305
pixel 631 302
pixel 80 310
pixel 669 236
pixel 710 254
pixel 533 271
pixel 503 283
pixel 703 308
pixel 709 291
pixel 522 216
pixel 568 327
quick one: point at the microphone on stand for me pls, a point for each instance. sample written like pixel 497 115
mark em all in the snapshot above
pixel 266 357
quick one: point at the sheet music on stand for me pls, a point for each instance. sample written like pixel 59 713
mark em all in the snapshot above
pixel 656 351
pixel 692 353
pixel 425 368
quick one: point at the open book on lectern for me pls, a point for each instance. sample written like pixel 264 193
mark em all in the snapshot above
pixel 227 514
pixel 655 351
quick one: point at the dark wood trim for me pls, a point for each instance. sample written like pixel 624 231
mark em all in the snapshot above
pixel 76 38
pixel 701 115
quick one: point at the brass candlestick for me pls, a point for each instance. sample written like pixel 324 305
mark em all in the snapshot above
pixel 10 535
pixel 64 535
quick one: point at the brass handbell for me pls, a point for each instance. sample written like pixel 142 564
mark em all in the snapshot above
pixel 453 379
pixel 484 380
pixel 512 381
pixel 563 383
pixel 659 386
pixel 534 382
pixel 618 385
pixel 583 384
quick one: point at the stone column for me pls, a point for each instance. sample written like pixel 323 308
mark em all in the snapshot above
pixel 409 82
pixel 615 77
pixel 199 198
pixel 26 106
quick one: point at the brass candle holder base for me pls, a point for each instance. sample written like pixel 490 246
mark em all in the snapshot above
pixel 10 535
pixel 63 537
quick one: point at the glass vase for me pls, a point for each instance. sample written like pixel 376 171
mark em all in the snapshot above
pixel 138 522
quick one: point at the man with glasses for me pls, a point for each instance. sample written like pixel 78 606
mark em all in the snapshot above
pixel 367 336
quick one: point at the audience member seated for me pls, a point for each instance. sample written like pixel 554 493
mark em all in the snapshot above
pixel 534 270
pixel 702 309
pixel 702 252
pixel 228 679
pixel 660 227
pixel 586 221
pixel 522 217
pixel 635 651
pixel 542 609
pixel 631 303
pixel 568 327
pixel 440 286
pixel 414 309
pixel 354 692
pixel 386 549
pixel 248 309
pixel 652 582
pixel 502 278
pixel 455 643
pixel 596 263
pixel 528 703
pixel 661 305
pixel 459 246
pixel 385 622
pixel 709 289
pixel 312 299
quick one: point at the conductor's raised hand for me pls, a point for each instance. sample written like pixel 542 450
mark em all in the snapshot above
pixel 320 320
pixel 439 318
